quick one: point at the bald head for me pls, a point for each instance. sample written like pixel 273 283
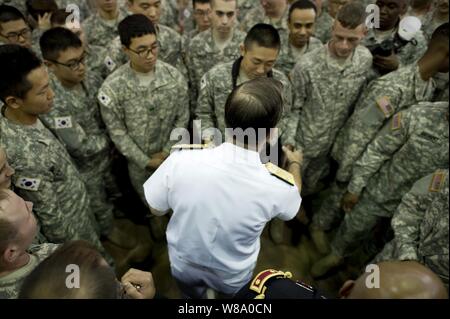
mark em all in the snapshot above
pixel 397 280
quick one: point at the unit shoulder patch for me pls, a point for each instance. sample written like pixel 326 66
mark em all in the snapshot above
pixel 280 173
pixel 397 122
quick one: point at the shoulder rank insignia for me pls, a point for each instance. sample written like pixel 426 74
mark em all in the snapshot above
pixel 280 173
pixel 258 284
pixel 181 147
pixel 437 182
pixel 29 184
pixel 384 104
pixel 397 122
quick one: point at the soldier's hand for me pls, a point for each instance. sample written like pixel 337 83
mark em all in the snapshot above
pixel 349 201
pixel 139 284
pixel 293 156
pixel 44 21
pixel 389 63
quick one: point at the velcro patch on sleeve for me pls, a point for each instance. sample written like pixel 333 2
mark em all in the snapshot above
pixel 437 182
pixel 63 122
pixel 27 183
pixel 384 104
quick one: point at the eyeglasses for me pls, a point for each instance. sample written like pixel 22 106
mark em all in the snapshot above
pixel 14 36
pixel 201 13
pixel 75 65
pixel 145 52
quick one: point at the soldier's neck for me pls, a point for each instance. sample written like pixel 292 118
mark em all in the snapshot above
pixel 221 37
pixel 19 117
pixel 108 15
pixel 428 66
pixel 21 262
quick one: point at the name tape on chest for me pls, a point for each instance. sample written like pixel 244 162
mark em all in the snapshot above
pixel 437 182
pixel 384 104
pixel 63 122
pixel 27 183
pixel 280 173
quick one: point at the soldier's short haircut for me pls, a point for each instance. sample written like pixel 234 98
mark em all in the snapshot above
pixel 214 1
pixel 7 230
pixel 135 26
pixel 256 104
pixel 48 279
pixel 302 5
pixel 351 15
pixel 37 8
pixel 59 17
pixel 16 63
pixel 264 35
pixel 9 13
pixel 57 40
pixel 194 2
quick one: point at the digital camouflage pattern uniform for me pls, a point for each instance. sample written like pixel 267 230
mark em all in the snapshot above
pixel 99 32
pixel 421 226
pixel 414 143
pixel 218 83
pixel 140 118
pixel 75 119
pixel 324 23
pixel 11 283
pixel 257 15
pixel 289 55
pixel 47 177
pixel 325 91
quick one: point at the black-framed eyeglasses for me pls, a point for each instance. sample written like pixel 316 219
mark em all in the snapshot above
pixel 14 36
pixel 145 52
pixel 74 65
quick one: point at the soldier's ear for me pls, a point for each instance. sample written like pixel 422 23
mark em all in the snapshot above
pixel 13 102
pixel 346 289
pixel 11 254
pixel 242 49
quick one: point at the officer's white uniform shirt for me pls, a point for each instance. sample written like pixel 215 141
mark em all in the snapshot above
pixel 221 199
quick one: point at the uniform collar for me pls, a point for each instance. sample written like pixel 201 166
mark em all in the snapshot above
pixel 239 155
pixel 160 78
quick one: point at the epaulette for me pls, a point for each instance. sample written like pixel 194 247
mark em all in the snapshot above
pixel 280 173
pixel 258 284
pixel 181 147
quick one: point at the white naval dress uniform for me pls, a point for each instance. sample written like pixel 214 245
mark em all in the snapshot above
pixel 221 200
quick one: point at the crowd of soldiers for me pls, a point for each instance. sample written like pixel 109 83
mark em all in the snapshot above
pixel 372 128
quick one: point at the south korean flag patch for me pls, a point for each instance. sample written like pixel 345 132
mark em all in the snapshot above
pixel 63 122
pixel 104 99
pixel 110 64
pixel 29 184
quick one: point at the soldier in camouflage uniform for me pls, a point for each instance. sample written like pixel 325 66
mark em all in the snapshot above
pixel 410 53
pixel 45 172
pixel 101 28
pixel 75 118
pixel 218 83
pixel 15 214
pixel 421 224
pixel 412 144
pixel 170 50
pixel 380 101
pixel 245 6
pixel 299 41
pixel 326 85
pixel 142 102
pixel 274 13
pixel 201 16
pixel 221 44
pixel 13 27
